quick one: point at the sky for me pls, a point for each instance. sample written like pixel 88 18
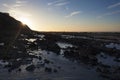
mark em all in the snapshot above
pixel 66 15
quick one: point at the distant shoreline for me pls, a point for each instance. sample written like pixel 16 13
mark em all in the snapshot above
pixel 78 31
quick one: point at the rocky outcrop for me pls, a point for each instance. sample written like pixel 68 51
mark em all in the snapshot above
pixel 10 25
pixel 10 29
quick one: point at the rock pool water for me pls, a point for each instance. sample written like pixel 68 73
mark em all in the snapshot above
pixel 66 70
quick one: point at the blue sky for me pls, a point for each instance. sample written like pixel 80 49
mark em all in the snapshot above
pixel 65 15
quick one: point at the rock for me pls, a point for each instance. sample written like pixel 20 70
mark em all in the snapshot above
pixel 55 70
pixel 46 61
pixel 85 59
pixel 48 69
pixel 40 58
pixel 59 67
pixel 10 29
pixel 9 70
pixel 117 59
pixel 30 68
pixel 71 54
pixel 93 60
pixel 49 46
pixel 8 66
pixel 115 76
pixel 98 69
pixel 13 65
pixel 104 66
pixel 53 47
pixel 10 26
pixel 105 76
pixel 33 46
pixel 19 69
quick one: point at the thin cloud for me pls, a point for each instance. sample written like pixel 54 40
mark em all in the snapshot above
pixel 51 3
pixel 17 5
pixel 114 5
pixel 58 3
pixel 67 8
pixel 73 13
pixel 54 2
pixel 19 1
pixel 61 4
pixel 6 5
pixel 109 14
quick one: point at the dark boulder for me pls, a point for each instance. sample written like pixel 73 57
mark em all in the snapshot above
pixel 48 69
pixel 30 68
pixel 48 45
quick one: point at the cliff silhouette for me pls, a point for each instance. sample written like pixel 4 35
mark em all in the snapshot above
pixel 10 30
pixel 11 25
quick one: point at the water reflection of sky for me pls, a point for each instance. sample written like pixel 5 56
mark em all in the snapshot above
pixel 113 45
pixel 68 70
pixel 107 60
pixel 64 45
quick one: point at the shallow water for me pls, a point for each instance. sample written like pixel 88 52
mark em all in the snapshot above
pixel 113 45
pixel 67 70
pixel 30 40
pixel 1 44
pixel 107 60
pixel 64 45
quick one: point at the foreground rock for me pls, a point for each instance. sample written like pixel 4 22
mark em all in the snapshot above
pixel 30 68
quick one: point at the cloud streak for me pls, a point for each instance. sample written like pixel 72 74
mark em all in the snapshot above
pixel 54 2
pixel 5 5
pixel 61 4
pixel 109 14
pixel 18 3
pixel 58 3
pixel 73 13
pixel 114 5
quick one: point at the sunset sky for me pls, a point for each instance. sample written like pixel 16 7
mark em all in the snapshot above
pixel 65 15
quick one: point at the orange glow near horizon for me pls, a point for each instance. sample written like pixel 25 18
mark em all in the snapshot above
pixel 25 20
pixel 46 22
